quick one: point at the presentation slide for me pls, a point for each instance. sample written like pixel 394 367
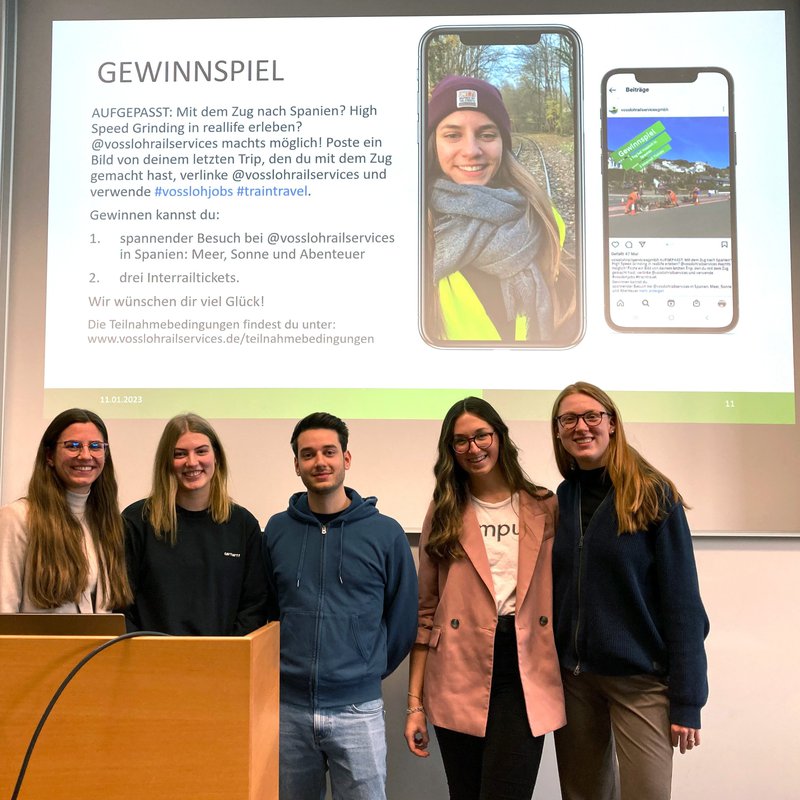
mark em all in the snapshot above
pixel 237 221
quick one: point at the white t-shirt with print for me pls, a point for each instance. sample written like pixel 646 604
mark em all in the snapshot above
pixel 499 524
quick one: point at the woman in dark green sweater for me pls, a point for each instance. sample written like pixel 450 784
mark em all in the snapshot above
pixel 629 621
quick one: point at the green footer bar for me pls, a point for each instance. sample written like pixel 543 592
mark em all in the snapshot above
pixel 774 408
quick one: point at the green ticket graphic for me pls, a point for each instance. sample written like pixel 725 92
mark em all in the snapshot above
pixel 644 148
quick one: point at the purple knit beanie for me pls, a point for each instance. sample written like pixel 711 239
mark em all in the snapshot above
pixel 459 93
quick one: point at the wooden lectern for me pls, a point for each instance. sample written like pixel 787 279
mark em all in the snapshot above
pixel 146 719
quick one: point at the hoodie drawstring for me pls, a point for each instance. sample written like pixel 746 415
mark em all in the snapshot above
pixel 341 551
pixel 302 559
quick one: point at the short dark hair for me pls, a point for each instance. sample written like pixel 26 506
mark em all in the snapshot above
pixel 321 420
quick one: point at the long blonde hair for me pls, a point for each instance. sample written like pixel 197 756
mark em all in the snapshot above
pixel 160 507
pixel 641 492
pixel 451 493
pixel 56 563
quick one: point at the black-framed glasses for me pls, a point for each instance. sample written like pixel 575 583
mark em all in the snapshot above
pixel 483 440
pixel 94 448
pixel 591 418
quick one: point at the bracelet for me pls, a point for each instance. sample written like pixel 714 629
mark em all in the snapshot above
pixel 415 709
pixel 415 696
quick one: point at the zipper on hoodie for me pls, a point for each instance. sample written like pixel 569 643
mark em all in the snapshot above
pixel 317 638
pixel 577 670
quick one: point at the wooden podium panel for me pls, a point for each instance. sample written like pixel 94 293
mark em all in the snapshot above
pixel 151 717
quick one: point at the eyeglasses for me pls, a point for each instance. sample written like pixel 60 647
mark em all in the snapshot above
pixel 591 418
pixel 94 448
pixel 482 440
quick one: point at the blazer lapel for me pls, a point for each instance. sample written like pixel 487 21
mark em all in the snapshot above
pixel 472 542
pixel 531 531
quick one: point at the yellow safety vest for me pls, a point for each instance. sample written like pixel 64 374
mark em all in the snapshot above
pixel 463 316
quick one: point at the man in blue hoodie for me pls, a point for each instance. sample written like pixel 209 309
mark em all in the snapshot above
pixel 345 590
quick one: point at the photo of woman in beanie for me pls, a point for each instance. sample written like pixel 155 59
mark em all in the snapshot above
pixel 494 271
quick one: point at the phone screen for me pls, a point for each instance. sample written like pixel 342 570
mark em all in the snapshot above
pixel 669 188
pixel 500 223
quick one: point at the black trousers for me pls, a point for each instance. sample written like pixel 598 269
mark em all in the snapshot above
pixel 503 764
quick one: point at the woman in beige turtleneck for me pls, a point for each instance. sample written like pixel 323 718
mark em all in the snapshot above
pixel 62 546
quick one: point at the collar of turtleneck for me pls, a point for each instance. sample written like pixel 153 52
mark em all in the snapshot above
pixel 595 485
pixel 594 478
pixel 77 503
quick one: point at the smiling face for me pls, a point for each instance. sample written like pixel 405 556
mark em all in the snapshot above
pixel 78 471
pixel 469 147
pixel 587 445
pixel 320 462
pixel 194 464
pixel 477 462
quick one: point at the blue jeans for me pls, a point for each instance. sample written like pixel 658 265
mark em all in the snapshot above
pixel 350 741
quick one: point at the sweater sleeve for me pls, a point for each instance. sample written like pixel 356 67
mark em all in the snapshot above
pixel 685 621
pixel 135 531
pixel 252 612
pixel 400 602
pixel 13 551
pixel 273 606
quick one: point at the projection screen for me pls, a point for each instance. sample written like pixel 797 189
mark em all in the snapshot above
pixel 224 211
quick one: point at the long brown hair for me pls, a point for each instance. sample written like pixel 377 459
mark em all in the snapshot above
pixel 56 560
pixel 451 493
pixel 160 506
pixel 641 492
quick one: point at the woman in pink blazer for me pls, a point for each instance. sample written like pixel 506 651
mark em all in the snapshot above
pixel 484 668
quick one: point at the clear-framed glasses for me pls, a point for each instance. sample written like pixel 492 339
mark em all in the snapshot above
pixel 483 440
pixel 74 448
pixel 591 418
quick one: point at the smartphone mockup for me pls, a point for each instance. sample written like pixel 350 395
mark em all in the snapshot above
pixel 501 227
pixel 668 147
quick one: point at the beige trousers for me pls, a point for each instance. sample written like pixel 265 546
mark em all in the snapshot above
pixel 616 744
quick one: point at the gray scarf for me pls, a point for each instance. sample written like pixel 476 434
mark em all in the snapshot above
pixel 487 228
